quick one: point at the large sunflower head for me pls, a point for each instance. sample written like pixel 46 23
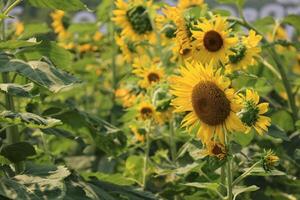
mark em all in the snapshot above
pixel 245 51
pixel 252 112
pixel 134 19
pixel 207 96
pixel 213 41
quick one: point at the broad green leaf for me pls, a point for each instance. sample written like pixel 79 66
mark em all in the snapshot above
pixel 243 139
pixel 28 119
pixel 293 20
pixel 42 73
pixel 241 189
pixel 69 5
pixel 277 132
pixel 209 186
pixel 33 30
pixel 283 119
pixel 17 90
pixel 118 179
pixel 18 151
pixel 63 133
pixel 134 168
pixel 59 56
pixel 15 44
pixel 102 10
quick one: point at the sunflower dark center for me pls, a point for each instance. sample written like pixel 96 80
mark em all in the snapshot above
pixel 210 103
pixel 240 52
pixel 153 77
pixel 249 115
pixel 146 112
pixel 217 150
pixel 213 41
pixel 139 20
pixel 185 52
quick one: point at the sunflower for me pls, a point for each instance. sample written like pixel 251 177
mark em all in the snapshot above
pixel 215 149
pixel 19 28
pixel 184 4
pixel 133 17
pixel 126 97
pixel 205 94
pixel 251 114
pixel 150 75
pixel 57 24
pixel 296 68
pixel 213 41
pixel 138 136
pixel 146 111
pixel 128 48
pixel 245 52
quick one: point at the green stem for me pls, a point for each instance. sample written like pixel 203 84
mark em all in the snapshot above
pixel 172 141
pixel 146 156
pixel 229 168
pixel 275 56
pixel 245 174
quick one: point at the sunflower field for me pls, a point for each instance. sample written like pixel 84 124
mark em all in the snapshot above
pixel 153 100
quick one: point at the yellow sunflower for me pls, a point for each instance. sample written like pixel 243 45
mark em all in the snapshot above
pixel 133 17
pixel 213 41
pixel 150 75
pixel 19 28
pixel 215 149
pixel 207 96
pixel 252 113
pixel 128 49
pixel 296 68
pixel 245 52
pixel 138 136
pixel 184 4
pixel 126 97
pixel 58 25
pixel 147 111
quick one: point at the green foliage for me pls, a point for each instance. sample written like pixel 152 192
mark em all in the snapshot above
pixel 70 5
pixel 17 152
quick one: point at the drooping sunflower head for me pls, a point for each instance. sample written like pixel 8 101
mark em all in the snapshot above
pixel 213 41
pixel 252 112
pixel 245 52
pixel 206 95
pixel 134 19
pixel 185 4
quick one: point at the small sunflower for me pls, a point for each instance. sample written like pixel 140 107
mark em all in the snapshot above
pixel 215 149
pixel 57 24
pixel 138 136
pixel 147 111
pixel 251 114
pixel 133 17
pixel 207 96
pixel 19 28
pixel 128 48
pixel 126 97
pixel 150 75
pixel 184 4
pixel 245 52
pixel 213 41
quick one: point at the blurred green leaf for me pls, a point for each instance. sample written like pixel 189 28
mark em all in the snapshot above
pixel 17 90
pixel 83 28
pixel 237 190
pixel 15 44
pixel 277 132
pixel 32 30
pixel 134 168
pixel 118 179
pixel 283 120
pixel 70 5
pixel 102 10
pixel 239 3
pixel 293 20
pixel 243 139
pixel 28 119
pixel 18 151
pixel 59 56
pixel 42 73
pixel 259 171
pixel 209 186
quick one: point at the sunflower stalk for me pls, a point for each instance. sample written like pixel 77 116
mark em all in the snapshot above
pixel 229 168
pixel 12 132
pixel 245 174
pixel 146 156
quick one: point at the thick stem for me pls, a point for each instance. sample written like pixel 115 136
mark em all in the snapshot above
pixel 146 156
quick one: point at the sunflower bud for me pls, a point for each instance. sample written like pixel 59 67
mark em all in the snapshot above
pixel 270 160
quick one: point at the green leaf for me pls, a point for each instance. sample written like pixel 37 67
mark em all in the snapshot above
pixel 209 186
pixel 277 132
pixel 259 171
pixel 243 139
pixel 239 3
pixel 241 189
pixel 293 20
pixel 102 10
pixel 69 5
pixel 118 179
pixel 32 30
pixel 83 28
pixel 18 151
pixel 42 73
pixel 17 90
pixel 283 119
pixel 63 133
pixel 59 56
pixel 28 119
pixel 134 168
pixel 15 44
